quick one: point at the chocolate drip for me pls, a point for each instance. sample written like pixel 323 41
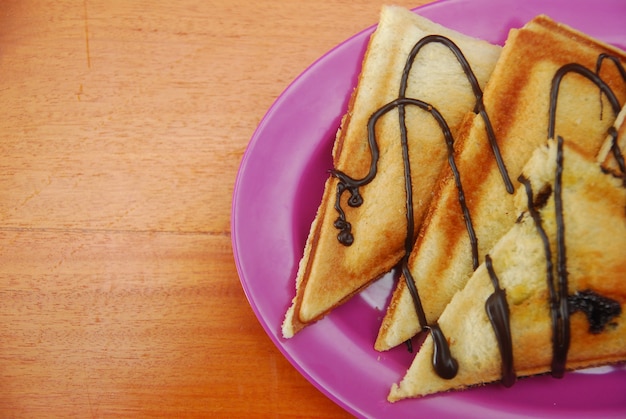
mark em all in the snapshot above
pixel 559 300
pixel 617 153
pixel 496 305
pixel 479 107
pixel 560 310
pixel 497 309
pixel 542 197
pixel 534 213
pixel 445 365
pixel 443 362
pixel 600 310
pixel 585 72
pixel 618 64
pixel 602 58
pixel 557 295
pixel 346 183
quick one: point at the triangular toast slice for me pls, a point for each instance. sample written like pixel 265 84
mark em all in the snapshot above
pixel 331 271
pixel 592 332
pixel 517 99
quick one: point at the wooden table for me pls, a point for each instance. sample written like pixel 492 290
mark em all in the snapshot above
pixel 122 126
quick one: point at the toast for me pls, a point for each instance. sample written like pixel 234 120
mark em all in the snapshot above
pixel 581 211
pixel 350 243
pixel 517 100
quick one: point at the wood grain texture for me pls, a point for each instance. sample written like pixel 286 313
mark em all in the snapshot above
pixel 122 126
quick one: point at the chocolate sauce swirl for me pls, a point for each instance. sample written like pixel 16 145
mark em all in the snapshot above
pixel 479 108
pixel 559 298
pixel 443 362
pixel 599 310
pixel 585 72
pixel 497 309
pixel 602 58
pixel 352 185
pixel 617 154
pixel 558 295
pixel 496 305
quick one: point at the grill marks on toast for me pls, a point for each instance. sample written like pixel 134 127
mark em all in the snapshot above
pixel 541 50
pixel 591 234
pixel 513 99
pixel 330 273
pixel 599 309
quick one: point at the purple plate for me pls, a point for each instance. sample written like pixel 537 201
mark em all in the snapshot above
pixel 278 189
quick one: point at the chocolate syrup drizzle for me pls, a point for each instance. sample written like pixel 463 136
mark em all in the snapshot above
pixel 497 309
pixel 559 300
pixel 559 295
pixel 351 185
pixel 618 64
pixel 585 72
pixel 443 362
pixel 617 153
pixel 496 305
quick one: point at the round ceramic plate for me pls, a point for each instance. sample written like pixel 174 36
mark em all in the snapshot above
pixel 277 192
